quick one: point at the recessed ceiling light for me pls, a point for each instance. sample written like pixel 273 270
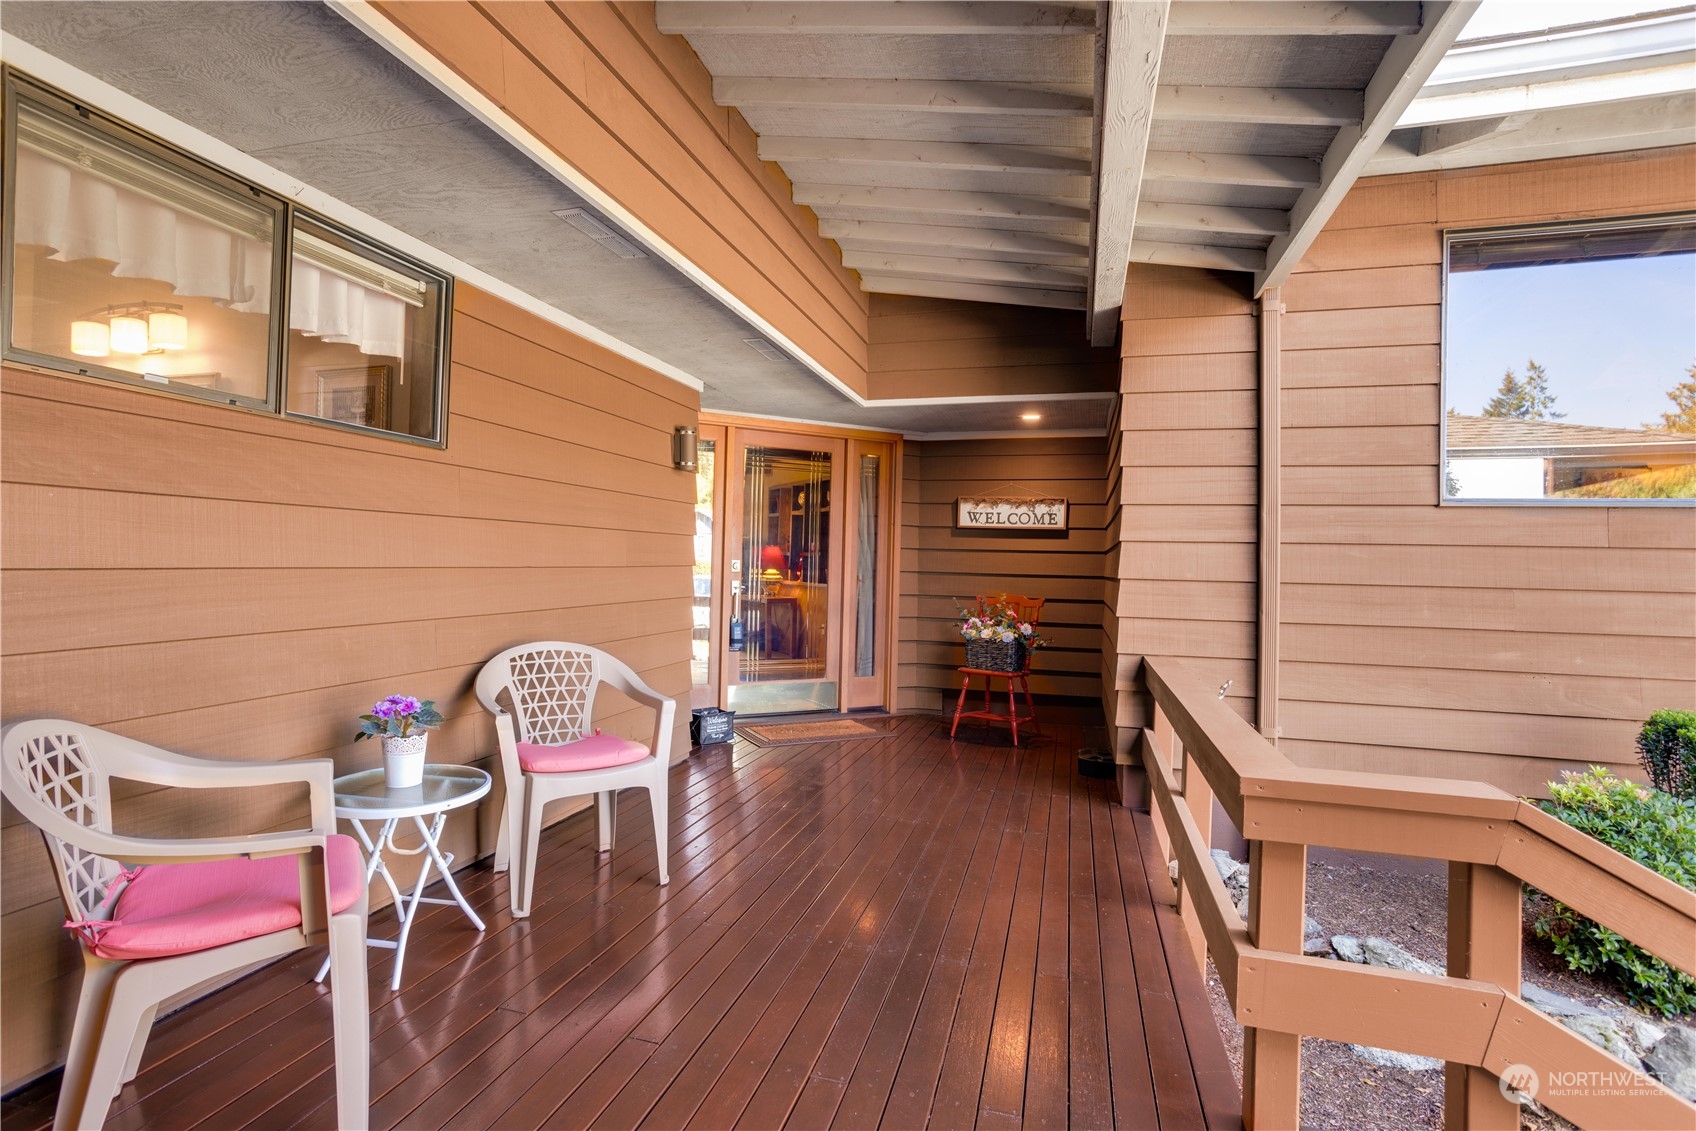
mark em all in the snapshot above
pixel 1033 417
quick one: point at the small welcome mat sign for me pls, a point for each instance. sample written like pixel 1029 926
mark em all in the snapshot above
pixel 1010 515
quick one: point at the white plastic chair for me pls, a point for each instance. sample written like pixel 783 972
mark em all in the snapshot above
pixel 548 751
pixel 176 913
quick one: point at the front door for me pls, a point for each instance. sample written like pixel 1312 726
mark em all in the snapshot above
pixel 784 545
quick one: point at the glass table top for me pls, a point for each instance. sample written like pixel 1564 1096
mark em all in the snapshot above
pixel 367 793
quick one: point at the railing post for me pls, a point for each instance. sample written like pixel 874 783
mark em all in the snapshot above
pixel 1277 907
pixel 1484 944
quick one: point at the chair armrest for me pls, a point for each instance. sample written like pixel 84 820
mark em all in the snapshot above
pixel 621 676
pixel 165 767
pixel 151 850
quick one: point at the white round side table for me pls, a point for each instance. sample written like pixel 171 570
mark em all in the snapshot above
pixel 366 796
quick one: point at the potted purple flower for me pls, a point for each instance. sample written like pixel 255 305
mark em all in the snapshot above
pixel 403 723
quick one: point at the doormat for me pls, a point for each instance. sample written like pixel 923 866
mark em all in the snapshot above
pixel 798 734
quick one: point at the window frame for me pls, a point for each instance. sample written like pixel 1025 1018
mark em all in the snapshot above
pixel 1450 237
pixel 20 87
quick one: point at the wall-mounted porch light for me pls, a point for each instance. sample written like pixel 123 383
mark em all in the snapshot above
pixel 683 448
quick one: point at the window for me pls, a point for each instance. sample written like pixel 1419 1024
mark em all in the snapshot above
pixel 130 262
pixel 1569 364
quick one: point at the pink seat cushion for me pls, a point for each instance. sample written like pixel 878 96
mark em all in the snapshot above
pixel 592 752
pixel 180 908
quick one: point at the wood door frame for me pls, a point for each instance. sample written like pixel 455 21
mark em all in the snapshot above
pixel 707 694
pixel 727 524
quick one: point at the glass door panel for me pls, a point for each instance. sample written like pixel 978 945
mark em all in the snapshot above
pixel 868 505
pixel 783 612
pixel 701 638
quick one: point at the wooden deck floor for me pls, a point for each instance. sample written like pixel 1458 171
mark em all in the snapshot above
pixel 901 932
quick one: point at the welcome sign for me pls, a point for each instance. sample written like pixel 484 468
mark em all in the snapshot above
pixel 1010 515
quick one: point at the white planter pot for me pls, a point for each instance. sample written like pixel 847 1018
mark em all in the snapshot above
pixel 403 760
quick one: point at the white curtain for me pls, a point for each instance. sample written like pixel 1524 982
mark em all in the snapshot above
pixel 76 214
pixel 333 307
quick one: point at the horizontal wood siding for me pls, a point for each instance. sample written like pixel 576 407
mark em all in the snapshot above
pixel 632 110
pixel 1186 485
pixel 942 567
pixel 938 347
pixel 1503 643
pixel 241 586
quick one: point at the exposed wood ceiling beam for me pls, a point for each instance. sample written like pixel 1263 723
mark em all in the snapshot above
pixel 1207 256
pixel 1455 135
pixel 1523 96
pixel 946 251
pixel 1217 218
pixel 966 270
pixel 1273 106
pixel 973 292
pixel 1135 37
pixel 861 17
pixel 1251 169
pixel 987 242
pixel 968 157
pixel 945 202
pixel 942 96
pixel 1058 186
pixel 1405 67
pixel 1285 17
pixel 1611 128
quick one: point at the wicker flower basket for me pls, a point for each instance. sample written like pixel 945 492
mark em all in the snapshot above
pixel 995 656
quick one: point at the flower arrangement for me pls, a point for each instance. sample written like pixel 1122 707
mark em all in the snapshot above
pixel 399 716
pixel 998 624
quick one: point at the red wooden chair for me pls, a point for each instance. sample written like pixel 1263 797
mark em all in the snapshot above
pixel 1027 609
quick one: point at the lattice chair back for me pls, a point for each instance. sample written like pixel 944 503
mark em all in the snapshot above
pixel 552 688
pixel 54 781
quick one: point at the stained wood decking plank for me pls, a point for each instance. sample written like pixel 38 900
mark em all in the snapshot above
pixel 876 1043
pixel 693 1054
pixel 1047 1081
pixel 855 934
pixel 444 988
pixel 1001 1097
pixel 956 1101
pixel 1090 1094
pixel 632 1008
pixel 1221 1098
pixel 1130 1076
pixel 903 1093
pixel 842 1012
pixel 561 1012
pixel 729 1096
pixel 1175 1094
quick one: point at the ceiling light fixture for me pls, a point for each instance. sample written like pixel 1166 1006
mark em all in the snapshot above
pixel 1033 417
pixel 134 328
pixel 601 232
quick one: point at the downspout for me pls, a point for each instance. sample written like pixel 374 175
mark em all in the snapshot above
pixel 1271 515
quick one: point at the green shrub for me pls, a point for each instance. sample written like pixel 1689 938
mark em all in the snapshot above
pixel 1667 745
pixel 1653 828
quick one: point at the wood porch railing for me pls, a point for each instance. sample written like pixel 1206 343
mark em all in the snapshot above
pixel 1473 1018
